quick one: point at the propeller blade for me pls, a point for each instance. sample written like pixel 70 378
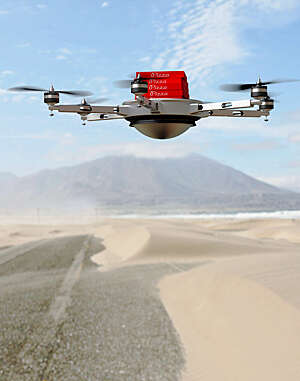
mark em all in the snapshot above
pixel 237 86
pixel 26 88
pixel 33 88
pixel 247 86
pixel 280 81
pixel 87 101
pixel 123 83
pixel 77 93
pixel 96 100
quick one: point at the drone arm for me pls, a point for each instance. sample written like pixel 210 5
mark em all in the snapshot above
pixel 97 117
pixel 64 108
pixel 196 107
pixel 112 110
pixel 227 105
pixel 115 110
pixel 235 113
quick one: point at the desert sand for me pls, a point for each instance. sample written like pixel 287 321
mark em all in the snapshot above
pixel 237 312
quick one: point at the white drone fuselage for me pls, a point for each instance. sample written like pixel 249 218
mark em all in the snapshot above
pixel 166 118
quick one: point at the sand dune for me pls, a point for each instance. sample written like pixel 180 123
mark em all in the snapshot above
pixel 182 241
pixel 239 318
pixel 238 314
pixel 122 241
pixel 233 328
pixel 278 229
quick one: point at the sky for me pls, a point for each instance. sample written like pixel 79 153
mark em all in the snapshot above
pixel 89 44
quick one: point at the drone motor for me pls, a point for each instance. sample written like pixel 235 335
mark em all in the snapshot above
pixel 259 91
pixel 51 97
pixel 85 108
pixel 139 86
pixel 266 104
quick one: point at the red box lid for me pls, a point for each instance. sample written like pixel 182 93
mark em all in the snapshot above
pixel 166 81
pixel 169 86
pixel 167 94
pixel 161 74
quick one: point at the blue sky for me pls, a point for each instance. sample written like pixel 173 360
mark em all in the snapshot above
pixel 89 44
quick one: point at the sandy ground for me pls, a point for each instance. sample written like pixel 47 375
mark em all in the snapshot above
pixel 238 316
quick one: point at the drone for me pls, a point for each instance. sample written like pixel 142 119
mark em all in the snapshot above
pixel 162 108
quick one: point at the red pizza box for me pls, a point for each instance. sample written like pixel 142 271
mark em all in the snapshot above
pixel 167 86
pixel 186 92
pixel 179 82
pixel 166 94
pixel 161 74
pixel 176 83
pixel 165 81
pixel 185 86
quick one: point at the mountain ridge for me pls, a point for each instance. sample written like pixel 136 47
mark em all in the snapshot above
pixel 128 183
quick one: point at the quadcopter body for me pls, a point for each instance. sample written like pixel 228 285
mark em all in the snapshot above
pixel 162 108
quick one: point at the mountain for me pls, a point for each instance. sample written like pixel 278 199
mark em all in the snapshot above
pixel 7 179
pixel 128 184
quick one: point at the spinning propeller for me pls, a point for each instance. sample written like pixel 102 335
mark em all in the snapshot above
pixel 138 85
pixel 75 93
pixel 91 101
pixel 123 83
pixel 126 83
pixel 247 86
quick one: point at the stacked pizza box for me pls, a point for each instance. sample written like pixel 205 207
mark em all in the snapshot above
pixel 165 84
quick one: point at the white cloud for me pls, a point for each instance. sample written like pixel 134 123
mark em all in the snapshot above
pixel 257 146
pixel 18 98
pixel 149 149
pixel 90 50
pixel 47 135
pixel 24 45
pixel 295 138
pixel 41 6
pixel 33 98
pixel 38 137
pixel 202 35
pixel 65 51
pixel 153 150
pixel 63 54
pixel 4 12
pixel 6 73
pixel 232 124
pixel 45 51
pixel 104 4
pixel 61 57
pixel 8 96
pixel 145 59
pixel 81 80
pixel 98 84
pixel 291 182
pixel 276 5
pixel 99 79
pixel 295 164
pixel 287 131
